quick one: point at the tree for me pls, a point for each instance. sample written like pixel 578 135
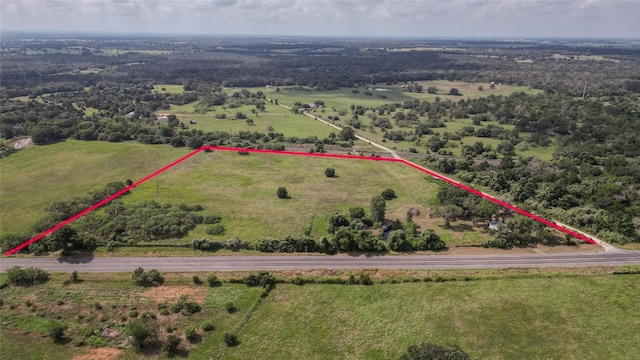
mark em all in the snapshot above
pixel 454 91
pixel 432 90
pixel 398 241
pixel 144 332
pixel 282 193
pixel 330 172
pixel 26 277
pixel 480 88
pixel 347 134
pixel 378 208
pixel 356 213
pixel 388 194
pixel 429 351
pixel 448 212
pixel 147 278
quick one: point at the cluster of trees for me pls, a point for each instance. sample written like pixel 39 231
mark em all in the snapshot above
pixel 116 224
pixel 598 195
pixel 18 276
pixel 30 64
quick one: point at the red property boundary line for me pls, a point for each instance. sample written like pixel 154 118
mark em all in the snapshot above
pixel 335 156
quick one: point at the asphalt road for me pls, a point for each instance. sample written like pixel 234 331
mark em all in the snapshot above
pixel 294 262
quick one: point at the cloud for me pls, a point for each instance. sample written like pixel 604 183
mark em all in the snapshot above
pixel 331 17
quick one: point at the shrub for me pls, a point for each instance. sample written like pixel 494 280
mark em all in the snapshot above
pixel 330 172
pixel 364 279
pixel 26 277
pixel 190 333
pixel 230 307
pixel 150 278
pixel 230 339
pixel 144 332
pixel 171 346
pixel 133 313
pixel 216 229
pixel 196 280
pixel 208 326
pixel 165 312
pixel 282 193
pixel 176 308
pixel 56 331
pixel 388 194
pixel 192 307
pixel 213 281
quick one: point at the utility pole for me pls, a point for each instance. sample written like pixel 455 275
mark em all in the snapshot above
pixel 584 91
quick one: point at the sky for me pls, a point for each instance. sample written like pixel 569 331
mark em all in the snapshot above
pixel 343 18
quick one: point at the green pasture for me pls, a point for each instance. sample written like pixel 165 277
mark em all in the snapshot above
pixel 169 88
pixel 242 189
pixel 38 175
pixel 279 118
pixel 498 314
pixel 581 317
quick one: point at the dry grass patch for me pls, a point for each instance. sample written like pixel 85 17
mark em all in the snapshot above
pixel 100 354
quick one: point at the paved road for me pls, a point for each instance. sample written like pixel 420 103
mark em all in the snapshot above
pixel 293 262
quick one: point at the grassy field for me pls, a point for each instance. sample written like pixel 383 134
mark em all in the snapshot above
pixel 280 119
pixel 568 318
pixel 242 189
pixel 169 88
pixel 33 178
pixel 503 314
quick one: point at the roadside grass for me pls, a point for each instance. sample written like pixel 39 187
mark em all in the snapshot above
pixel 38 175
pixel 580 317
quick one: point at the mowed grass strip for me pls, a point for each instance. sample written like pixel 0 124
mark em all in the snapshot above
pixel 33 178
pixel 583 317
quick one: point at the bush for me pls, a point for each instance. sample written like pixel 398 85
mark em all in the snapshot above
pixel 196 280
pixel 190 334
pixel 133 313
pixel 230 307
pixel 213 281
pixel 26 277
pixel 330 172
pixel 150 278
pixel 388 194
pixel 208 326
pixel 171 346
pixel 56 331
pixel 282 193
pixel 230 339
pixel 192 307
pixel 144 332
pixel 216 229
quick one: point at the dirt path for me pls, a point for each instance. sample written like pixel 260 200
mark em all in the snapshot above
pixel 22 143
